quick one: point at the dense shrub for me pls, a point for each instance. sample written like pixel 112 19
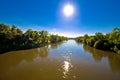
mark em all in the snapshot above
pixel 109 42
pixel 12 38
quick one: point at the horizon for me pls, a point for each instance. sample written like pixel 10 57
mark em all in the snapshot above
pixel 70 18
pixel 54 32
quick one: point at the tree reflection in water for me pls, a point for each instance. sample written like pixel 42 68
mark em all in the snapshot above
pixel 43 51
pixel 56 45
pixel 98 55
pixel 24 56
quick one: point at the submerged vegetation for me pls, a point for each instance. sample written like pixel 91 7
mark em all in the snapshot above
pixel 13 38
pixel 107 42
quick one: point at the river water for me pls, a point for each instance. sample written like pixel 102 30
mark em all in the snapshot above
pixel 68 60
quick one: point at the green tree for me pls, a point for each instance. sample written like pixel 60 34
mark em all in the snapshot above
pixel 115 34
pixel 99 35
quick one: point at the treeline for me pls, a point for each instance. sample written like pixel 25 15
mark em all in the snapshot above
pixel 13 38
pixel 107 42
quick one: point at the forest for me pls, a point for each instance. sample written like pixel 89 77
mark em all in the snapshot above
pixel 107 42
pixel 13 38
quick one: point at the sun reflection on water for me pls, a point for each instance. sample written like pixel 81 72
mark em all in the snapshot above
pixel 67 64
pixel 66 68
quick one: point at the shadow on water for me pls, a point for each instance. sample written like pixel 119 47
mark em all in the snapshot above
pixel 43 51
pixel 56 45
pixel 15 57
pixel 98 55
pixel 33 57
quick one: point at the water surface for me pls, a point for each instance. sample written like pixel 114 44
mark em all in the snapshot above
pixel 62 61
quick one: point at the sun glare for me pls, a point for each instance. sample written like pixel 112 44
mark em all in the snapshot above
pixel 68 10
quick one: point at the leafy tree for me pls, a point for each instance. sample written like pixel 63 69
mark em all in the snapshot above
pixel 109 42
pixel 115 34
pixel 13 38
pixel 4 27
pixel 99 35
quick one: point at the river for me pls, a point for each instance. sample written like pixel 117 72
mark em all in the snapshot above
pixel 68 60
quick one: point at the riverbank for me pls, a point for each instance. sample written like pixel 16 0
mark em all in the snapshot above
pixel 52 59
pixel 13 38
pixel 106 42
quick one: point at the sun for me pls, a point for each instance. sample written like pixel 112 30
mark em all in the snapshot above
pixel 68 10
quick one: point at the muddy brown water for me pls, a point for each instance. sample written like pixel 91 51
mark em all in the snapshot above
pixel 68 60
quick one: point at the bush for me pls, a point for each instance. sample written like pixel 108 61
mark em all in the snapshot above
pixel 115 49
pixel 118 51
pixel 91 42
pixel 97 44
pixel 106 46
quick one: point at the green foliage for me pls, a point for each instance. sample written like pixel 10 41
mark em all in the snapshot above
pixel 13 38
pixel 118 51
pixel 115 34
pixel 98 44
pixel 99 35
pixel 86 36
pixel 91 41
pixel 115 48
pixel 4 27
pixel 56 38
pixel 108 42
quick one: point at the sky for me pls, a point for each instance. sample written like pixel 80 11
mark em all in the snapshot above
pixel 89 16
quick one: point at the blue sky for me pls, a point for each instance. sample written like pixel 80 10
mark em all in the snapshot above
pixel 90 15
